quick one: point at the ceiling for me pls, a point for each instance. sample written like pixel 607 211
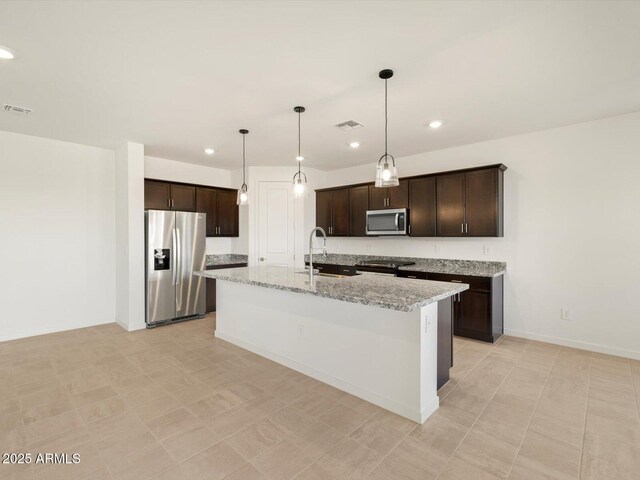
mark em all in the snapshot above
pixel 182 76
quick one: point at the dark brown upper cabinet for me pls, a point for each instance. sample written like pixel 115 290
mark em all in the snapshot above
pixel 157 195
pixel 160 195
pixel 183 197
pixel 332 211
pixel 389 197
pixel 221 209
pixel 450 205
pixel 470 203
pixel 218 203
pixel 461 203
pixel 484 204
pixel 422 207
pixel 358 206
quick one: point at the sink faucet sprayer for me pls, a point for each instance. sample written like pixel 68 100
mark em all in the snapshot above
pixel 324 249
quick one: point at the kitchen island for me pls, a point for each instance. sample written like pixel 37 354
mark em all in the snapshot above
pixel 372 336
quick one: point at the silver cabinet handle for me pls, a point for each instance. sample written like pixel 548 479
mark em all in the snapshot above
pixel 466 227
pixel 462 228
pixel 456 281
pixel 412 276
pixel 168 203
pixel 409 229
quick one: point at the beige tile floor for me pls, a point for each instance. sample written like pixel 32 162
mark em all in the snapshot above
pixel 174 403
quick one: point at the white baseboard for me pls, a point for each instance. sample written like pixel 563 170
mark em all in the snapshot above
pixel 387 404
pixel 592 347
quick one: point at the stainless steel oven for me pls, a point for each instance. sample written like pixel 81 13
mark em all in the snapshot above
pixel 387 222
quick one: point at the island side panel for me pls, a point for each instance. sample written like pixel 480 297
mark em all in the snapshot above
pixel 429 324
pixel 377 354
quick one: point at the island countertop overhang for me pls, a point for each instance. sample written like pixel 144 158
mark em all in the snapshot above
pixel 392 293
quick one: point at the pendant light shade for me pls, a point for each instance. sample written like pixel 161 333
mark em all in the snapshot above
pixel 299 179
pixel 243 192
pixel 386 173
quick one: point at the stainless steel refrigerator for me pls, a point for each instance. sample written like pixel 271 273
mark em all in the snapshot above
pixel 175 248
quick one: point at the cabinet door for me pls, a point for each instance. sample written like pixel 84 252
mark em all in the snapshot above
pixel 157 195
pixel 323 210
pixel 473 315
pixel 358 206
pixel 398 196
pixel 377 198
pixel 184 197
pixel 206 203
pixel 450 205
pixel 228 213
pixel 340 212
pixel 422 207
pixel 481 212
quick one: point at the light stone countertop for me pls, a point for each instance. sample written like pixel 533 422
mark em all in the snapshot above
pixel 226 259
pixel 394 293
pixel 475 268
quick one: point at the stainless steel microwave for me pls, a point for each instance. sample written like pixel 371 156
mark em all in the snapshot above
pixel 387 222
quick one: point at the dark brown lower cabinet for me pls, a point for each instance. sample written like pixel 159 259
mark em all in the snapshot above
pixel 211 285
pixel 445 340
pixel 478 313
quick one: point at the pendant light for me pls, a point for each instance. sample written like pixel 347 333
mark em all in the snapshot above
pixel 386 173
pixel 243 192
pixel 299 179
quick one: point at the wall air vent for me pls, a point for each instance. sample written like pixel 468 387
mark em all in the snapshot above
pixel 16 109
pixel 349 125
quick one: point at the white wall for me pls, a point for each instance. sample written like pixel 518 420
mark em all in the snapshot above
pixel 572 230
pixel 57 225
pixel 130 261
pixel 163 169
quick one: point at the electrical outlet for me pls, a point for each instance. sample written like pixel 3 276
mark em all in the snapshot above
pixel 437 249
pixel 565 314
pixel 300 330
pixel 487 250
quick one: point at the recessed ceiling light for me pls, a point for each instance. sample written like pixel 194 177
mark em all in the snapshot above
pixel 435 124
pixel 354 144
pixel 209 151
pixel 5 53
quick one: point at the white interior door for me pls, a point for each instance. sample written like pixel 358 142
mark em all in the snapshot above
pixel 276 224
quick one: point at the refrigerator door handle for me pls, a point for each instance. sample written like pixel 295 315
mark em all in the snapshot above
pixel 174 267
pixel 179 258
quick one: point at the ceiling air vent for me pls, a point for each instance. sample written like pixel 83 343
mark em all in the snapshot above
pixel 349 125
pixel 16 109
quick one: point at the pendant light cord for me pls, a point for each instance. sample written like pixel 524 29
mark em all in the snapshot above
pixel 243 161
pixel 385 118
pixel 299 143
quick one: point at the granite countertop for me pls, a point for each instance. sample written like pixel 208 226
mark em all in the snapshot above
pixel 226 259
pixel 475 268
pixel 375 290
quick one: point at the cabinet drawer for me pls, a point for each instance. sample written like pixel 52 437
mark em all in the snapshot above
pixel 325 267
pixel 475 283
pixel 410 274
pixel 346 270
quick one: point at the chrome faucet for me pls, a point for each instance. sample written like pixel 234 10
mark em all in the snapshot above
pixel 324 249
